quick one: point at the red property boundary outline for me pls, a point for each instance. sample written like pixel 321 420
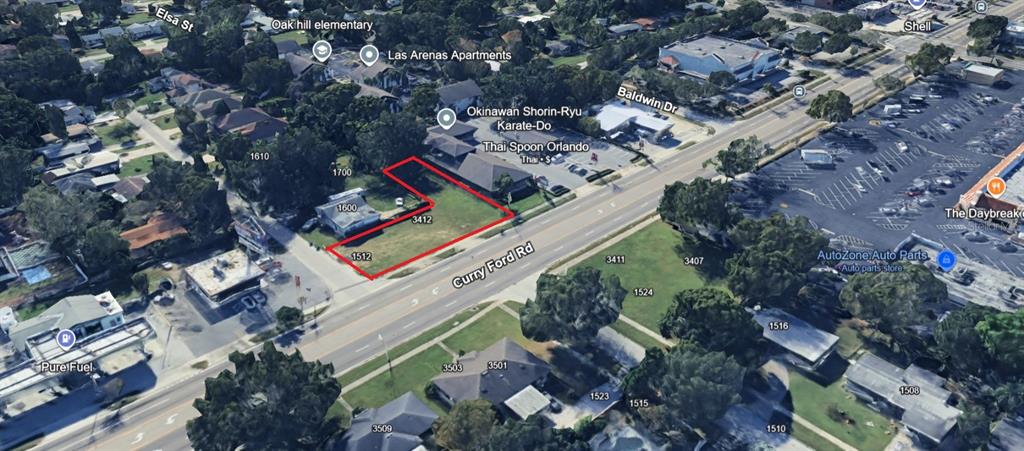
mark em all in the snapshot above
pixel 430 205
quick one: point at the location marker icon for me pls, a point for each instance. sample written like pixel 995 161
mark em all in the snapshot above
pixel 66 339
pixel 368 54
pixel 996 187
pixel 946 260
pixel 322 50
pixel 917 4
pixel 446 118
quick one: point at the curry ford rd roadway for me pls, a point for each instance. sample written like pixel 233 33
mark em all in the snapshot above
pixel 403 308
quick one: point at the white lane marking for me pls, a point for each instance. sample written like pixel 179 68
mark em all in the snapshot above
pixel 363 348
pixel 600 212
pixel 404 288
pixel 574 208
pixel 559 248
pixel 612 204
pixel 489 284
pixel 435 290
pixel 591 232
pixel 170 419
pixel 363 307
pixel 545 221
pixel 138 438
pixel 409 325
pixel 415 301
pixel 450 304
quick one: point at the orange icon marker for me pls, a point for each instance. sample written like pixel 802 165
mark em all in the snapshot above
pixel 996 187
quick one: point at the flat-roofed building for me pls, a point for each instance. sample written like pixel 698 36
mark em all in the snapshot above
pixel 703 56
pixel 223 277
pixel 806 346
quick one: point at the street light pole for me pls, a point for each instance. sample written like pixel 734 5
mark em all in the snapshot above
pixel 387 354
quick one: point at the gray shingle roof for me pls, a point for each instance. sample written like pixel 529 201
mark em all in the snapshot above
pixel 448 145
pixel 801 338
pixel 289 46
pixel 457 91
pixel 484 170
pixel 406 415
pixel 66 313
pixel 477 382
pixel 1008 435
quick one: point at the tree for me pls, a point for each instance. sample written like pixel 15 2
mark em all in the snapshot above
pixel 744 15
pixel 1003 335
pixel 20 120
pixel 973 428
pixel 889 83
pixel 806 42
pixel 985 31
pixel 195 198
pixel 833 106
pixel 702 204
pixel 837 43
pixel 929 59
pixel 298 173
pixel 36 19
pixel 271 401
pixel 72 33
pixel 423 102
pixel 467 425
pixel 722 79
pixel 768 26
pixel 642 381
pixel 545 5
pixel 288 318
pixel 502 186
pixel 572 307
pixel 714 320
pixel 140 282
pixel 106 10
pixel 17 163
pixel 55 121
pixel 891 301
pixel 960 344
pixel 59 220
pixel 266 77
pixel 534 435
pixel 103 249
pixel 693 387
pixel 776 254
pixel 389 139
pixel 739 158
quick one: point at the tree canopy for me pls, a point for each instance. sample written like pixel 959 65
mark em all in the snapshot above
pixel 833 106
pixel 467 425
pixel 572 307
pixel 715 321
pixel 271 401
pixel 701 204
pixel 776 254
pixel 892 300
pixel 1003 336
pixel 740 157
pixel 929 59
pixel 533 434
pixel 985 31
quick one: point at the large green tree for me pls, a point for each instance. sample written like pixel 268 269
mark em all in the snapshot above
pixel 16 161
pixel 572 307
pixel 776 254
pixel 194 198
pixel 297 174
pixel 985 31
pixel 891 301
pixel 929 59
pixel 715 321
pixel 266 77
pixel 1003 335
pixel 271 401
pixel 533 434
pixel 833 106
pixel 701 204
pixel 389 139
pixel 739 158
pixel 467 425
pixel 959 343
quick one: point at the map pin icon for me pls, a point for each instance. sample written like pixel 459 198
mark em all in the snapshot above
pixel 322 50
pixel 446 118
pixel 917 4
pixel 66 339
pixel 369 54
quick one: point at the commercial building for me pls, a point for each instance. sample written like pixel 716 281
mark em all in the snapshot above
pixel 347 213
pixel 915 396
pixel 616 118
pixel 222 278
pixel 806 346
pixel 703 56
pixel 85 315
pixel 872 10
pixel 1010 203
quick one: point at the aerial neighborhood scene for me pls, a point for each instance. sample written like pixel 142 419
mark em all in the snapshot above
pixel 728 225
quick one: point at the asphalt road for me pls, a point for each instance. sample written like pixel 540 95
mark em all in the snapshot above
pixel 403 308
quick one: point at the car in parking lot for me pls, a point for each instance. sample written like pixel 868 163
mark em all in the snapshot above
pixel 902 146
pixel 577 170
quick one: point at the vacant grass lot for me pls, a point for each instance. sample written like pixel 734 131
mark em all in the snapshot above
pixel 411 375
pixel 650 262
pixel 141 165
pixel 298 36
pixel 866 429
pixel 456 213
pixel 166 122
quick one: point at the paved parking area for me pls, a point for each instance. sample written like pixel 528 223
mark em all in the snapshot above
pixel 894 176
pixel 608 156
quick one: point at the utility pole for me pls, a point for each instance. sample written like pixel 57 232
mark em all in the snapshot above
pixel 387 354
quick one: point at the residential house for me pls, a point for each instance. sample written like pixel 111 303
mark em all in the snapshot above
pixel 559 48
pixel 128 8
pixel 179 84
pixel 93 67
pixel 806 346
pixel 701 8
pixel 287 47
pixel 304 66
pixel 92 41
pixel 76 132
pixel 393 103
pixel 145 30
pixel 73 114
pixel 252 123
pixel 63 41
pixel 159 228
pixel 205 103
pixel 380 75
pixel 98 163
pixel 407 419
pixel 703 56
pixel 57 152
pixel 85 315
pixel 264 24
pixel 648 23
pixel 112 32
pixel 50 2
pixel 624 29
pixel 223 278
pixel 616 118
pixel 1007 435
pixel 480 379
pixel 347 213
pixel 915 396
pixel 129 188
pixel 459 96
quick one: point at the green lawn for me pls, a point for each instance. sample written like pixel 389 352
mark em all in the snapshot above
pixel 849 341
pixel 566 60
pixel 136 18
pixel 297 36
pixel 868 430
pixel 525 204
pixel 166 122
pixel 140 165
pixel 319 238
pixel 148 99
pixel 68 8
pixel 456 212
pixel 650 262
pixel 411 375
pixel 636 335
pixel 399 349
pixel 486 330
pixel 811 438
pixel 106 133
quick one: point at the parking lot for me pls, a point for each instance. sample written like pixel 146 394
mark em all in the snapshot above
pixel 894 175
pixel 602 155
